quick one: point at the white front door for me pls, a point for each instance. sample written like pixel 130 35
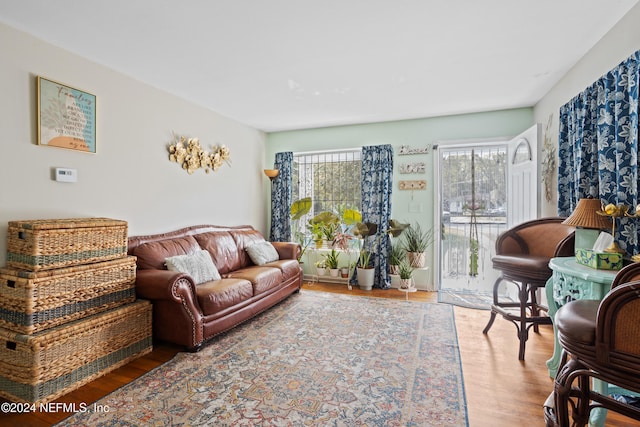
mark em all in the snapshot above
pixel 522 177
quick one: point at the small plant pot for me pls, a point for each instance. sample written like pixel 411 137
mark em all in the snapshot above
pixel 416 259
pixel 394 269
pixel 321 271
pixel 344 272
pixel 405 284
pixel 334 272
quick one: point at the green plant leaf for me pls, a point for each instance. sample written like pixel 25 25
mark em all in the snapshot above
pixel 300 208
pixel 365 229
pixel 396 228
pixel 325 217
pixel 351 216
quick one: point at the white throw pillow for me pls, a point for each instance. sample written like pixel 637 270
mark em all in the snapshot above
pixel 262 253
pixel 198 265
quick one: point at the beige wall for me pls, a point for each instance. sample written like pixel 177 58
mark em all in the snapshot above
pixel 613 48
pixel 130 177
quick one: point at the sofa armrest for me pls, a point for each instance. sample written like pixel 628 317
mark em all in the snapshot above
pixel 168 286
pixel 287 250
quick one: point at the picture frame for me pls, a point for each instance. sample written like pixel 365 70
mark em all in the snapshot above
pixel 66 116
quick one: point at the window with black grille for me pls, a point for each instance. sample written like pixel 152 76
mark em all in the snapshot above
pixel 332 180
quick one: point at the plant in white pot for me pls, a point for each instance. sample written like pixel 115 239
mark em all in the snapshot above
pixel 369 240
pixel 416 242
pixel 365 271
pixel 321 268
pixel 331 261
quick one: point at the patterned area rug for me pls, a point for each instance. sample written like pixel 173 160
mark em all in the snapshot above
pixel 315 359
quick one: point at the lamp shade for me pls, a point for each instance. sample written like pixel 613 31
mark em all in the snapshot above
pixel 271 173
pixel 585 215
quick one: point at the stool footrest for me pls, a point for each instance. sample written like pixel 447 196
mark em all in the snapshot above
pixel 509 315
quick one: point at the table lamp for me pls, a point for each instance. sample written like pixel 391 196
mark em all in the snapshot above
pixel 588 222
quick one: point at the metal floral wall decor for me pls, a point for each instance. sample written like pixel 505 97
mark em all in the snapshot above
pixel 548 161
pixel 191 156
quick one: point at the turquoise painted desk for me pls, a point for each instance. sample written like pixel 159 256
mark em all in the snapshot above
pixel 572 281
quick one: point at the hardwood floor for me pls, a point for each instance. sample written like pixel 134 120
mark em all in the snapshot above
pixel 500 390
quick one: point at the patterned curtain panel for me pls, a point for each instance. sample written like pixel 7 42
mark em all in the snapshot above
pixel 281 198
pixel 598 147
pixel 377 177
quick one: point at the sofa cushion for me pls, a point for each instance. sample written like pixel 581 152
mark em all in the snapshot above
pixel 223 249
pixel 289 267
pixel 214 297
pixel 262 278
pixel 151 255
pixel 245 238
pixel 197 265
pixel 262 253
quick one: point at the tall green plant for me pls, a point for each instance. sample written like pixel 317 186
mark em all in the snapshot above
pixel 404 270
pixel 397 254
pixel 416 239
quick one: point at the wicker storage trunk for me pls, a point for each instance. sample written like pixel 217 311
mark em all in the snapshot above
pixel 42 367
pixel 57 243
pixel 33 301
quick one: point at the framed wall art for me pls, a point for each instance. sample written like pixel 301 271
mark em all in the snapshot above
pixel 66 117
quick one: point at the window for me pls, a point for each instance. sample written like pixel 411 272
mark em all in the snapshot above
pixel 332 180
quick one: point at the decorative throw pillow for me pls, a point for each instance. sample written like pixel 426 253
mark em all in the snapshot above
pixel 198 265
pixel 262 253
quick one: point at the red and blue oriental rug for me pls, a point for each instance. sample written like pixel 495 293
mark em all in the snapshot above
pixel 315 359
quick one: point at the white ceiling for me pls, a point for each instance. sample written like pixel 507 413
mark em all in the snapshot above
pixel 291 64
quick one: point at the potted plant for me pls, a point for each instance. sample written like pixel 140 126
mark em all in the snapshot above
pixel 370 237
pixel 405 271
pixel 397 254
pixel 321 268
pixel 323 225
pixel 416 242
pixel 331 261
pixel 344 272
pixel 365 271
pixel 316 233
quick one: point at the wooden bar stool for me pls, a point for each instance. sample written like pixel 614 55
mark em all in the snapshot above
pixel 522 255
pixel 600 340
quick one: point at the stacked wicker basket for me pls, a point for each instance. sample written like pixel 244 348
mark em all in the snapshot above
pixel 68 312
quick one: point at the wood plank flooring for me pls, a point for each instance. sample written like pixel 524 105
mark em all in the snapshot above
pixel 500 390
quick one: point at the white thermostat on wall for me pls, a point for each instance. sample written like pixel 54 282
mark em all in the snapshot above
pixel 66 175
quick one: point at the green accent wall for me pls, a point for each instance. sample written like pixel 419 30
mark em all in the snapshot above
pixel 414 133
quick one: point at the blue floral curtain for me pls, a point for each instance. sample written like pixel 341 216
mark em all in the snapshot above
pixel 377 177
pixel 598 147
pixel 281 194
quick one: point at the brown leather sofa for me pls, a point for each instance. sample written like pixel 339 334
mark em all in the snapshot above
pixel 187 313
